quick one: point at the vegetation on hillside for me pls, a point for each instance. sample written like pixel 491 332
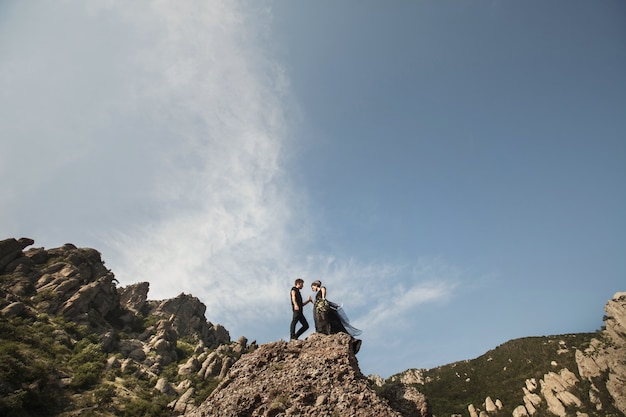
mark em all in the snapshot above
pixel 50 367
pixel 501 374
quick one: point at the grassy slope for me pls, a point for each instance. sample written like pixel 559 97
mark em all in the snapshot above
pixel 500 373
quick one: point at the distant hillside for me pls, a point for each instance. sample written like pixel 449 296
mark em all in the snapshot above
pixel 571 374
pixel 500 373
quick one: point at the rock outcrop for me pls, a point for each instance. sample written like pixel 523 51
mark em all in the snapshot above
pixel 138 336
pixel 318 376
pixel 603 363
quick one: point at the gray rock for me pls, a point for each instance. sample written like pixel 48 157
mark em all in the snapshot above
pixel 134 297
pixel 165 387
pixel 14 309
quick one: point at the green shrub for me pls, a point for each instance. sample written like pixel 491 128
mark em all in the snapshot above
pixel 103 395
pixel 150 321
pixel 146 408
pixel 184 349
pixel 87 375
pixel 87 361
pixel 86 351
pixel 12 404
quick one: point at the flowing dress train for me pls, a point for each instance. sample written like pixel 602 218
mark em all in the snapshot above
pixel 330 318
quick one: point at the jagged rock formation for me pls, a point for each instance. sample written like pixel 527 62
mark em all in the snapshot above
pixel 555 395
pixel 136 336
pixel 318 376
pixel 603 364
pixel 411 376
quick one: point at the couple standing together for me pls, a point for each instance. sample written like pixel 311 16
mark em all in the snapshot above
pixel 329 317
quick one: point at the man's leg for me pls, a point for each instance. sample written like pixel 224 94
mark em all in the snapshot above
pixel 292 327
pixel 305 325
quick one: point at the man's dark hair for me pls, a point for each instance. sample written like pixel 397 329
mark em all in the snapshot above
pixel 299 281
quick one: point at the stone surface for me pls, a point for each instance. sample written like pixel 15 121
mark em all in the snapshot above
pixel 410 376
pixel 318 376
pixel 520 411
pixel 490 406
pixel 135 297
pixel 472 410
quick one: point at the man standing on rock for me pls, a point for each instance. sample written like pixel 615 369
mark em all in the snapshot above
pixel 298 313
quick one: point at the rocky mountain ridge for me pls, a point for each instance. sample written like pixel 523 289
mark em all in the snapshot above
pixel 72 342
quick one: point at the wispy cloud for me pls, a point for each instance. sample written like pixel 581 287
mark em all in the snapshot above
pixel 223 202
pixel 379 294
pixel 173 162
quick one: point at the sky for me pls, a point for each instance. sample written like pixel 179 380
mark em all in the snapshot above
pixel 453 172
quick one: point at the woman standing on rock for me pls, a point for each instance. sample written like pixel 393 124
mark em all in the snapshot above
pixel 330 318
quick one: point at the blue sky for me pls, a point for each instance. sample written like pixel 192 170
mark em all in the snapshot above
pixel 452 171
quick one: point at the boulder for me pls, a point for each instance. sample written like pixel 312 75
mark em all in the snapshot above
pixel 490 406
pixel 532 398
pixel 165 387
pixel 472 410
pixel 94 301
pixel 520 411
pixel 11 249
pixel 14 309
pixel 406 399
pixel 530 406
pixel 499 404
pixel 184 403
pixel 135 297
pixel 191 366
pixel 548 391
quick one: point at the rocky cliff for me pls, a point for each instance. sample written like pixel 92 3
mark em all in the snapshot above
pixel 603 363
pixel 72 341
pixel 315 377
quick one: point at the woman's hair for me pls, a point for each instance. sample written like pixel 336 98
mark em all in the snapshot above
pixel 317 283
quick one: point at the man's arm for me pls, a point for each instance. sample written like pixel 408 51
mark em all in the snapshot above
pixel 293 300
